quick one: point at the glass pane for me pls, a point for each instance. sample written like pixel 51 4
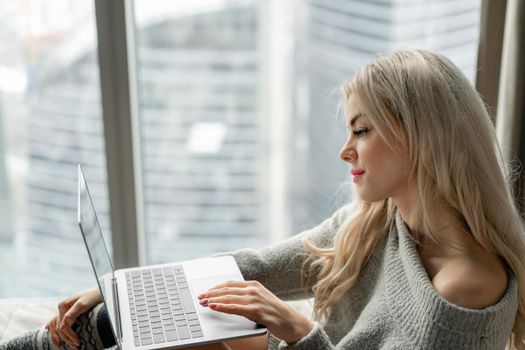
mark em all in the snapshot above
pixel 50 120
pixel 333 39
pixel 198 94
pixel 204 141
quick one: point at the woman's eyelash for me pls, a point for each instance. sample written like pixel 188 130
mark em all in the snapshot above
pixel 360 131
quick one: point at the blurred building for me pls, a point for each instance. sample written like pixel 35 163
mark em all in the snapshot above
pixel 200 148
pixel 334 39
pixel 202 145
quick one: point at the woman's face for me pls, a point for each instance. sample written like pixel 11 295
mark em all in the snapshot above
pixel 378 171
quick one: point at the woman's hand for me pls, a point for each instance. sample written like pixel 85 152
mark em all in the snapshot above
pixel 60 326
pixel 253 301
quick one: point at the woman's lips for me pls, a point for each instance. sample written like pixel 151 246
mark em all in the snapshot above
pixel 356 173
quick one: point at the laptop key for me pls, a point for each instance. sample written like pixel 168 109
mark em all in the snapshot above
pixel 197 334
pixel 184 332
pixel 181 323
pixel 147 341
pixel 158 338
pixel 171 335
pixel 178 312
pixel 192 316
pixel 145 333
pixel 195 328
pixel 187 300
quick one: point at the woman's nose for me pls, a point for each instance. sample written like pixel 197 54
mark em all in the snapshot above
pixel 348 154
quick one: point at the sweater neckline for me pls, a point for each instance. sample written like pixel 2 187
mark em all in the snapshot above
pixel 412 298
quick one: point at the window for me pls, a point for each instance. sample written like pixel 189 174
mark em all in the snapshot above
pixel 201 148
pixel 50 120
pixel 206 77
pixel 334 38
pixel 239 122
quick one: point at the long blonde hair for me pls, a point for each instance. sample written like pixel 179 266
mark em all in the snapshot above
pixel 454 157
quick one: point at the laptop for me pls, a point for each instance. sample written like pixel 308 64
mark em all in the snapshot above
pixel 156 307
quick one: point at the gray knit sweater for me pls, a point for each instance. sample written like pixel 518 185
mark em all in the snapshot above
pixel 392 306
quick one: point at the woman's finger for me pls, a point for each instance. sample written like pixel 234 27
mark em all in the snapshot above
pixel 65 337
pixel 247 311
pixel 62 309
pixel 239 284
pixel 224 291
pixel 67 326
pixel 72 314
pixel 63 333
pixel 50 326
pixel 227 299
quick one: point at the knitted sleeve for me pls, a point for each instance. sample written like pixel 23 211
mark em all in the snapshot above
pixel 316 339
pixel 279 267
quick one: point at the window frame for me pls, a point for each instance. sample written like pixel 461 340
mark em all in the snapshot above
pixel 120 112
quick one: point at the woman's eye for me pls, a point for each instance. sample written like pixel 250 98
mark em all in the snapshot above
pixel 360 132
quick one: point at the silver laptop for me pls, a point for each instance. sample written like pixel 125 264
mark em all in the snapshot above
pixel 156 307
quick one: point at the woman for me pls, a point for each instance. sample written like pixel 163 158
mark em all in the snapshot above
pixel 427 257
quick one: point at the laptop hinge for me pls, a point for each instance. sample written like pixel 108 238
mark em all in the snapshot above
pixel 117 309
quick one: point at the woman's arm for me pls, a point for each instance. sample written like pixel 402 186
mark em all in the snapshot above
pixel 60 326
pixel 278 267
pixel 274 273
pixel 253 301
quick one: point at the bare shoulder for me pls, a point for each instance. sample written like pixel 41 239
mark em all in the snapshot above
pixel 473 282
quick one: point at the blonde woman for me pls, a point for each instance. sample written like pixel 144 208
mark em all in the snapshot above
pixel 427 257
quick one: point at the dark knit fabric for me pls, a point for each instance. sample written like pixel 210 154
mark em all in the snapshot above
pixel 87 327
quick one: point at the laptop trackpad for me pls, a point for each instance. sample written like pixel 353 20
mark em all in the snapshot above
pixel 202 285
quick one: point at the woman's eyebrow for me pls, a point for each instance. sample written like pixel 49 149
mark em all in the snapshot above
pixel 355 118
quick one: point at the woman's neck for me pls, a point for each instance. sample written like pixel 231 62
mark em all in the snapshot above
pixel 450 231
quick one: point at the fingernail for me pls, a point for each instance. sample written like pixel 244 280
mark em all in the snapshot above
pixel 203 301
pixel 201 295
pixel 212 306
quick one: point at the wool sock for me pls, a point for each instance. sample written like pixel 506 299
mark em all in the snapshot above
pixel 92 328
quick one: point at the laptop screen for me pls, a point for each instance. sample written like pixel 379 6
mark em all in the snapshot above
pixel 96 247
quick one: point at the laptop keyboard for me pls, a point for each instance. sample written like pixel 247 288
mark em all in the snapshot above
pixel 161 304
